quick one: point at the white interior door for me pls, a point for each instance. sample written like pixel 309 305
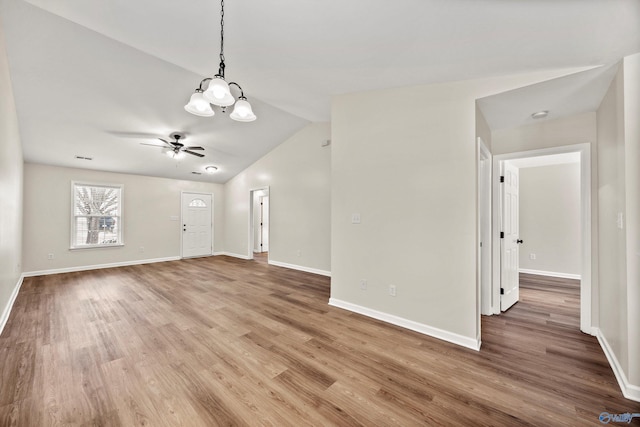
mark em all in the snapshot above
pixel 197 224
pixel 509 280
pixel 264 224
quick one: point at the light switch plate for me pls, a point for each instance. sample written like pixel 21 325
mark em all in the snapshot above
pixel 620 220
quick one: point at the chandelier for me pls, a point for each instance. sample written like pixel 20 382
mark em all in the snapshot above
pixel 218 91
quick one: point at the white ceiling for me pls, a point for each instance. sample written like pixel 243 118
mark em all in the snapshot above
pixel 95 78
pixel 564 96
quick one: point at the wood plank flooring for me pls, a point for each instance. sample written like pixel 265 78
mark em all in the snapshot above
pixel 220 341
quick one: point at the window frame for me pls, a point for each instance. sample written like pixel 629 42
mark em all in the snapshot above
pixel 73 216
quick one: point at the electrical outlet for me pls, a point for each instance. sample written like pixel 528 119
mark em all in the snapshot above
pixel 363 284
pixel 50 256
pixel 141 249
pixel 392 290
pixel 355 218
pixel 299 252
pixel 532 256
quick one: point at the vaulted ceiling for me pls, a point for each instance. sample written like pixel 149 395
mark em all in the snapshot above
pixel 96 78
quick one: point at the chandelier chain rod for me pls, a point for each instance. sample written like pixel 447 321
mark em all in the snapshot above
pixel 219 91
pixel 222 65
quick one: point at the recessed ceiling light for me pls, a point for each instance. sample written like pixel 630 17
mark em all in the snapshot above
pixel 540 114
pixel 211 169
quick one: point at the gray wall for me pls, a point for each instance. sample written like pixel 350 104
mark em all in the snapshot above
pixel 612 262
pixel 148 205
pixel 298 174
pixel 550 219
pixel 410 173
pixel 10 190
pixel 619 194
pixel 632 220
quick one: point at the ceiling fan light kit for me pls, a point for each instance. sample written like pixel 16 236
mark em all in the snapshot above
pixel 174 154
pixel 218 91
pixel 175 149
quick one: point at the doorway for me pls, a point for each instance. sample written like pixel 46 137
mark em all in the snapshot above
pixel 261 214
pixel 583 151
pixel 484 227
pixel 197 224
pixel 259 236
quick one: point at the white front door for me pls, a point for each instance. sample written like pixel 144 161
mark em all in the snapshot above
pixel 509 283
pixel 197 223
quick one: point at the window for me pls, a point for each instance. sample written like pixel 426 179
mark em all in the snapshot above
pixel 197 203
pixel 96 215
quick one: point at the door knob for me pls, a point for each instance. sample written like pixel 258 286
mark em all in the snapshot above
pixel 519 241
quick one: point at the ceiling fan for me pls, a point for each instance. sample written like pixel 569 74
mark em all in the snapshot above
pixel 175 148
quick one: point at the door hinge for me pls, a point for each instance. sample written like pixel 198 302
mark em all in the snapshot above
pixel 502 178
pixel 501 291
pixel 480 244
pixel 502 234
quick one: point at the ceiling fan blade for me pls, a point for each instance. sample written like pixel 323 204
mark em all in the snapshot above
pixel 194 148
pixel 195 154
pixel 153 145
pixel 166 142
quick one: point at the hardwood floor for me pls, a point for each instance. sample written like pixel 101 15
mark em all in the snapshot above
pixel 220 341
pixel 261 257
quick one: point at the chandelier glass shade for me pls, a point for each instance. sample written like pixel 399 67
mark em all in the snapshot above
pixel 199 106
pixel 242 111
pixel 218 91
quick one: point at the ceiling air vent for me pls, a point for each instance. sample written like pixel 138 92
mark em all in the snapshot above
pixel 84 158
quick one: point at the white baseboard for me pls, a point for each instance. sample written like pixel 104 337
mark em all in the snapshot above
pixel 9 306
pixel 301 268
pixel 630 391
pixel 231 254
pixel 451 337
pixel 551 274
pixel 98 266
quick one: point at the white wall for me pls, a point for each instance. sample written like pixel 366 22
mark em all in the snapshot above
pixel 10 190
pixel 298 174
pixel 410 172
pixel 148 205
pixel 550 218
